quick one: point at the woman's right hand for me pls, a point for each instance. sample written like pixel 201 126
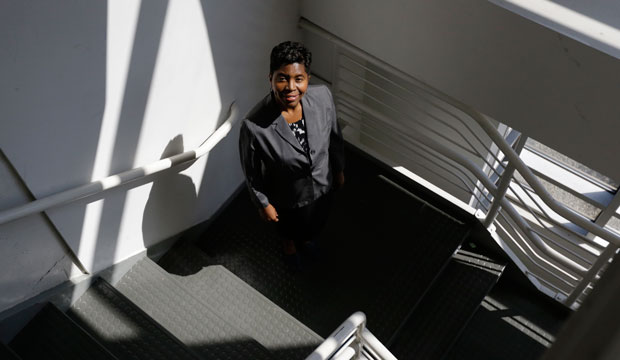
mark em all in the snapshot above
pixel 268 214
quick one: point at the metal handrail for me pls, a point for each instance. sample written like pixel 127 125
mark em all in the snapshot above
pixel 481 176
pixel 486 125
pixel 432 104
pixel 535 261
pixel 564 264
pixel 473 151
pixel 350 341
pixel 114 181
pixel 536 212
pixel 527 174
pixel 401 142
pixel 524 227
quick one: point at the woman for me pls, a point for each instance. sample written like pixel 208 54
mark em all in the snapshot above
pixel 291 149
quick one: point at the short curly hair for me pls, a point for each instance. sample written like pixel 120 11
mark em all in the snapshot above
pixel 289 52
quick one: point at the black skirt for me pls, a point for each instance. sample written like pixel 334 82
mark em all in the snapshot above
pixel 304 224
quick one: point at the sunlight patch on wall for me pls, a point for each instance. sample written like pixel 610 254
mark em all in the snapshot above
pixel 183 101
pixel 121 29
pixel 183 104
pixel 88 240
pixel 122 22
pixel 184 96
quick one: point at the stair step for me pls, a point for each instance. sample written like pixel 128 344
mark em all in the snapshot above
pixel 123 328
pixel 436 323
pixel 53 335
pixel 251 250
pixel 240 304
pixel 7 353
pixel 428 240
pixel 512 323
pixel 187 318
pixel 378 238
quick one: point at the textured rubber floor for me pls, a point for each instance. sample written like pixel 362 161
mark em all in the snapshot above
pixel 380 251
pixel 123 328
pixel 7 353
pixel 52 335
pixel 252 251
pixel 240 304
pixel 188 319
pixel 436 323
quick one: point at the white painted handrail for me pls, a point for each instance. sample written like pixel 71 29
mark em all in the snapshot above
pixel 488 127
pixel 349 341
pixel 117 180
pixel 478 173
pixel 533 181
pixel 376 346
pixel 559 259
pixel 339 337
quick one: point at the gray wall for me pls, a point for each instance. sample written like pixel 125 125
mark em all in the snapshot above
pixel 32 257
pixel 549 86
pixel 93 88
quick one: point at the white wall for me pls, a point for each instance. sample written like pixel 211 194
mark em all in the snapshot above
pixel 20 247
pixel 593 22
pixel 92 88
pixel 551 87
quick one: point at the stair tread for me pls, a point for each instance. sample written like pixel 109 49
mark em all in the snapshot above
pixel 510 324
pixel 47 335
pixel 122 327
pixel 240 304
pixel 430 251
pixel 191 321
pixel 440 317
pixel 371 245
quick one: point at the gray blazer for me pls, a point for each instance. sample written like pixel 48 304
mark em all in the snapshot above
pixel 276 168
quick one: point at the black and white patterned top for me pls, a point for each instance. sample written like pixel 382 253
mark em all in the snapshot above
pixel 299 129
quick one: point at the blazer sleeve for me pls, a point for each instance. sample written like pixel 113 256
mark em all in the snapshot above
pixel 336 142
pixel 252 166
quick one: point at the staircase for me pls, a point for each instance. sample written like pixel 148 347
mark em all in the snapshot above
pixel 230 294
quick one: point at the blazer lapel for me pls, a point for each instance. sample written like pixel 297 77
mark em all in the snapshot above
pixel 285 132
pixel 312 126
pixel 281 127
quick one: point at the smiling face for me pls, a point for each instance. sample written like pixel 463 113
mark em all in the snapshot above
pixel 289 84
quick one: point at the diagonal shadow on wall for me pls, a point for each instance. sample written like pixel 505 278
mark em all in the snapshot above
pixel 141 68
pixel 52 100
pixel 241 35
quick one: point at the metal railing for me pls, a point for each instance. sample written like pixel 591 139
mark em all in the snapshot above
pixel 406 122
pixel 114 181
pixel 352 341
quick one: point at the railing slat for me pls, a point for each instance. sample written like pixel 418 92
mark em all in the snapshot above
pixel 545 208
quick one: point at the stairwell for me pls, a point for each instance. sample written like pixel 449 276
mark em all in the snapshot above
pixel 410 267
